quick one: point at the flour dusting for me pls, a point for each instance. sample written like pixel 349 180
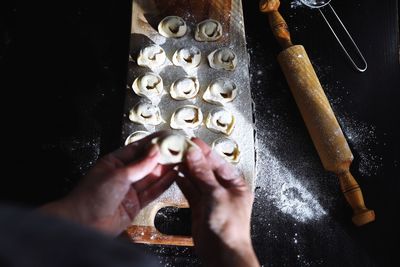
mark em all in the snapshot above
pixel 283 189
pixel 362 137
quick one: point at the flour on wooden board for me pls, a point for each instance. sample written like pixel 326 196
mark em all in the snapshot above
pixel 241 107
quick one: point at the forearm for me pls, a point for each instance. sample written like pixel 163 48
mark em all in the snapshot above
pixel 67 209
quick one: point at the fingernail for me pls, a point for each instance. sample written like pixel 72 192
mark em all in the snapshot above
pixel 193 154
pixel 153 151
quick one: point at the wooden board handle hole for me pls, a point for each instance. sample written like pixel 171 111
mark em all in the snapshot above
pixel 173 221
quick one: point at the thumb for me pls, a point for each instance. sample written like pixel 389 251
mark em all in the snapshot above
pixel 143 167
pixel 199 170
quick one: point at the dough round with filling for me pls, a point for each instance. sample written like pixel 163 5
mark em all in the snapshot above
pixel 220 91
pixel 223 58
pixel 184 88
pixel 187 57
pixel 145 113
pixel 227 148
pixel 208 30
pixel 136 136
pixel 172 27
pixel 172 148
pixel 148 85
pixel 220 120
pixel 151 56
pixel 186 117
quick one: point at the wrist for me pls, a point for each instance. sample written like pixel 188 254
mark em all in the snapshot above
pixel 59 208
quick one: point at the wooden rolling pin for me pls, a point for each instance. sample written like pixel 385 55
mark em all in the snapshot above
pixel 317 113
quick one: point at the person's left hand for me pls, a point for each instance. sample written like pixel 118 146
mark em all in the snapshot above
pixel 116 188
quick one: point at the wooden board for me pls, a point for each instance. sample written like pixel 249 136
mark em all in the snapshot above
pixel 145 18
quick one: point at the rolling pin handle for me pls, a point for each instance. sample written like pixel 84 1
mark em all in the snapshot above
pixel 278 25
pixel 353 195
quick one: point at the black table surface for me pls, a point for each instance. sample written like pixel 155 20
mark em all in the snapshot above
pixel 66 111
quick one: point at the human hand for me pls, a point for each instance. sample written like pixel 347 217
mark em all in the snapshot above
pixel 116 188
pixel 221 204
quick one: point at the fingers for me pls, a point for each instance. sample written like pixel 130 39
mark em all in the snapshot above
pixel 199 171
pixel 157 188
pixel 131 204
pixel 203 145
pixel 140 169
pixel 133 151
pixel 188 189
pixel 216 161
pixel 156 174
pixel 227 175
pixel 135 199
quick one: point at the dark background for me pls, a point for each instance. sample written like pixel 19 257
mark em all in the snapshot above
pixel 63 88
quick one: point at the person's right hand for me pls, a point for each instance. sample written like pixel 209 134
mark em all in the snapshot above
pixel 221 204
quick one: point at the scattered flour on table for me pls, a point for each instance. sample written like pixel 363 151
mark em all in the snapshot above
pixel 362 137
pixel 283 188
pixel 83 152
pixel 88 147
pixel 77 155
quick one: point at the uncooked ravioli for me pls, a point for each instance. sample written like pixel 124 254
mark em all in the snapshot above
pixel 208 30
pixel 172 27
pixel 227 148
pixel 184 88
pixel 151 56
pixel 220 91
pixel 223 58
pixel 172 148
pixel 220 120
pixel 149 85
pixel 187 57
pixel 136 136
pixel 146 114
pixel 186 117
